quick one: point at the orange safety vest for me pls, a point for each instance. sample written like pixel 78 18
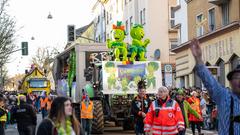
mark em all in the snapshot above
pixel 87 112
pixel 49 103
pixel 43 102
pixel 164 119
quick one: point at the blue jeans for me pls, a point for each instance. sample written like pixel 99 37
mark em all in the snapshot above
pixel 139 128
pixel 87 126
pixel 44 113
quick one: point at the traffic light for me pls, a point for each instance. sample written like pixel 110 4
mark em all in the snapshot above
pixel 71 33
pixel 24 48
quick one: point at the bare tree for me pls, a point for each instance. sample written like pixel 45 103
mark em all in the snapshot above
pixel 44 58
pixel 7 34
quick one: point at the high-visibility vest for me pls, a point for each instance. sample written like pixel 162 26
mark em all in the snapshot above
pixel 87 112
pixel 49 103
pixel 43 102
pixel 164 119
pixel 18 98
pixel 4 117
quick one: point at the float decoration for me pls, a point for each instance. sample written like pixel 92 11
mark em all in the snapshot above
pixel 119 47
pixel 138 47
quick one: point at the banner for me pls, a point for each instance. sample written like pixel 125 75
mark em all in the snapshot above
pixel 62 87
pixel 122 79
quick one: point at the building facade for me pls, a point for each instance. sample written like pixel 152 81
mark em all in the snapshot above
pixel 217 26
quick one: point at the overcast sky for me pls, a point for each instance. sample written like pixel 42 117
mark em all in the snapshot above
pixel 31 17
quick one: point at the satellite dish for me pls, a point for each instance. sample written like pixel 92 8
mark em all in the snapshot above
pixel 157 54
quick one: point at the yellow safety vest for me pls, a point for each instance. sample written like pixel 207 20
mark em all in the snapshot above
pixel 4 117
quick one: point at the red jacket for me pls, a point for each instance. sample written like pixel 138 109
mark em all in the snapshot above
pixel 168 120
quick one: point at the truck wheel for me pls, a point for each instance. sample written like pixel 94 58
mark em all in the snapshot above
pixel 98 118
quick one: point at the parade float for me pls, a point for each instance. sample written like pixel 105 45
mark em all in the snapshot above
pixel 110 73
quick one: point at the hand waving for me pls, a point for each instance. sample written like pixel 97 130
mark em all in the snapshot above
pixel 196 51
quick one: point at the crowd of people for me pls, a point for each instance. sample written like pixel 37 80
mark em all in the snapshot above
pixel 58 116
pixel 196 106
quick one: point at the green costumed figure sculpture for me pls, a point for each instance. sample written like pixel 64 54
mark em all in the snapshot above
pixel 111 80
pixel 138 47
pixel 118 45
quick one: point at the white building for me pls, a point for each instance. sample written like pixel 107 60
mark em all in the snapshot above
pixel 153 15
pixel 181 21
pixel 107 13
pixel 99 22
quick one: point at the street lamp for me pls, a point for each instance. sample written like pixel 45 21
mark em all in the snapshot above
pixel 49 16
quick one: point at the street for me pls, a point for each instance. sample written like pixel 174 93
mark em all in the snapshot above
pixel 109 129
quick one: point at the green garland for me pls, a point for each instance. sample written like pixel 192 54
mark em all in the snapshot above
pixel 61 130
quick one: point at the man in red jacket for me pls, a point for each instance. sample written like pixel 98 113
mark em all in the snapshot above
pixel 164 115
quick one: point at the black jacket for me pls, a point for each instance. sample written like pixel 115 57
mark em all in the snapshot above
pixel 140 105
pixel 46 127
pixel 25 114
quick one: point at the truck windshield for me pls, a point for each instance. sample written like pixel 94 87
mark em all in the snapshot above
pixel 37 83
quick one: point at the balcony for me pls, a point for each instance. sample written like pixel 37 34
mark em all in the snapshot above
pixel 218 2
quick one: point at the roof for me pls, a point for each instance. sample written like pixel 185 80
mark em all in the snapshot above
pixel 81 30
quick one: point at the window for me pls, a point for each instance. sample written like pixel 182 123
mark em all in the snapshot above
pixel 141 19
pixel 234 62
pixel 37 83
pixel 104 13
pixel 107 18
pixel 174 43
pixel 199 25
pixel 172 19
pixel 211 19
pixel 131 22
pixel 126 27
pixel 98 19
pixel 225 14
pixel 110 17
pixel 221 78
pixel 144 16
pixel 104 38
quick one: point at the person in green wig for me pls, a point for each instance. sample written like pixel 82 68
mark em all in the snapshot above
pixel 185 108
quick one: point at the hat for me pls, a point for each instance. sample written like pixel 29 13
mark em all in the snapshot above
pixel 230 74
pixel 180 92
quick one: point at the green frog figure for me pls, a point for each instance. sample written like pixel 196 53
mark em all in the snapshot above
pixel 138 47
pixel 118 45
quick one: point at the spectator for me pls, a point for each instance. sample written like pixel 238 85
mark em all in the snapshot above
pixel 43 104
pixel 26 118
pixel 87 114
pixel 227 101
pixel 164 115
pixel 186 109
pixel 61 119
pixel 3 116
pixel 140 105
pixel 195 105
